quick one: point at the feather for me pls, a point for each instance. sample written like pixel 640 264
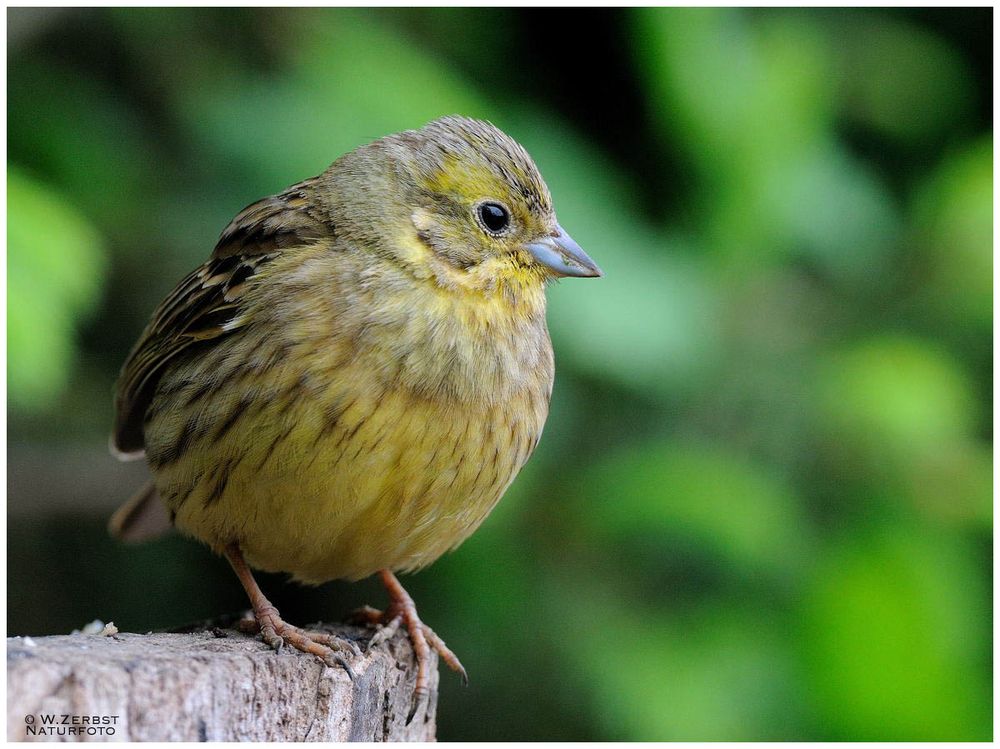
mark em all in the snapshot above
pixel 141 518
pixel 206 305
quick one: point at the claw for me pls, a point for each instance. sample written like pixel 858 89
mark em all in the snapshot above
pixel 402 610
pixel 276 632
pixel 446 654
pixel 335 660
pixel 270 636
pixel 420 695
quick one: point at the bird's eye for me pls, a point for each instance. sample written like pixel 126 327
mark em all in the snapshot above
pixel 494 217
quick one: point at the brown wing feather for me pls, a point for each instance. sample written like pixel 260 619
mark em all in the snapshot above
pixel 205 306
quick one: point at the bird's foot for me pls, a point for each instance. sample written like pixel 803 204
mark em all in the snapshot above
pixel 277 633
pixel 403 611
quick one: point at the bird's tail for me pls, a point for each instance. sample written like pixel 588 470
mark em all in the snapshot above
pixel 142 518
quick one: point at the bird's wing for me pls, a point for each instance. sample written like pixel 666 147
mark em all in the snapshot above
pixel 205 306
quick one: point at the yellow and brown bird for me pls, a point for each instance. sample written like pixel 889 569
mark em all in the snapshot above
pixel 357 374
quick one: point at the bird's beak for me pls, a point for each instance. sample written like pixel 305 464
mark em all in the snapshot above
pixel 564 257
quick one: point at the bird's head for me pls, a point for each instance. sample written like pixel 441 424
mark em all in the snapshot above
pixel 472 208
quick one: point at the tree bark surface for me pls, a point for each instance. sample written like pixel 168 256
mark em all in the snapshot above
pixel 214 685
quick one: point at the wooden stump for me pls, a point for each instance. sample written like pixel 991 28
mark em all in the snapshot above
pixel 215 685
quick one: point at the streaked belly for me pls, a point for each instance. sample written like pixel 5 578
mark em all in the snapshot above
pixel 327 490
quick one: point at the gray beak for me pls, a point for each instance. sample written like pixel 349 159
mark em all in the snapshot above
pixel 564 257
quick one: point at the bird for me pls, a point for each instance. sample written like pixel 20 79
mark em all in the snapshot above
pixel 352 380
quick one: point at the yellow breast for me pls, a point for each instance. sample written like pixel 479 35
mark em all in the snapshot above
pixel 369 433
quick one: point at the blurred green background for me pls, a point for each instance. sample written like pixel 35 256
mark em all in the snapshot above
pixel 762 508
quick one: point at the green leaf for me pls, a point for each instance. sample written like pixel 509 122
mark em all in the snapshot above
pixel 81 137
pixel 56 262
pixel 899 79
pixel 347 80
pixel 720 501
pixel 720 673
pixel 953 213
pixel 753 102
pixel 895 397
pixel 895 636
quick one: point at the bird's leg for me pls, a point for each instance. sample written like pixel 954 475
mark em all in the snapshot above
pixel 276 632
pixel 402 610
